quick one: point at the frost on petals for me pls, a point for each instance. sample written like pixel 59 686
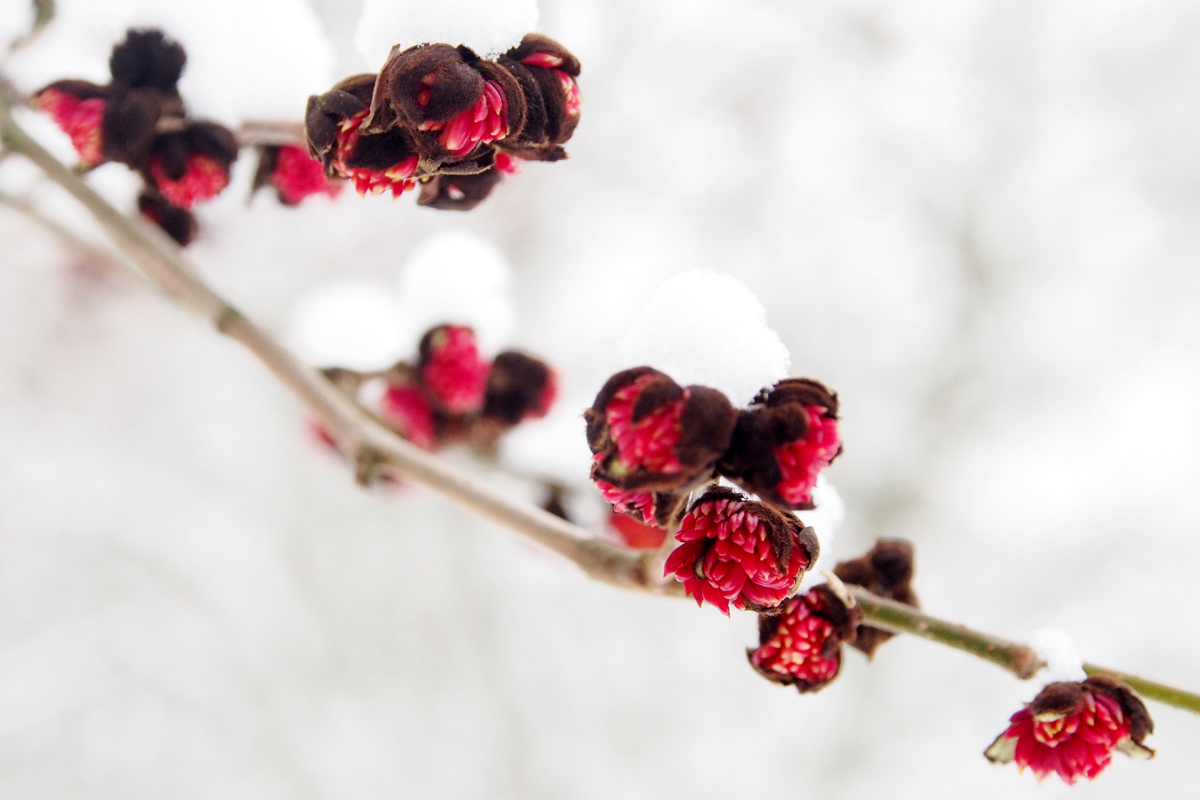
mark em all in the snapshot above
pixel 740 553
pixel 801 645
pixel 1072 728
pixel 783 442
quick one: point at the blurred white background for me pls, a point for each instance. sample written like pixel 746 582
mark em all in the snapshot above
pixel 979 221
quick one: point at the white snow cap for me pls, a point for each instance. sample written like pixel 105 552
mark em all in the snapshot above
pixel 354 324
pixel 458 277
pixel 1063 662
pixel 489 27
pixel 705 327
pixel 826 519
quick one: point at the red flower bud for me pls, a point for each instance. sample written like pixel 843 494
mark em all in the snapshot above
pixel 886 570
pixel 77 107
pixel 294 174
pixel 406 407
pixel 1072 729
pixel 451 370
pixel 802 645
pixel 177 223
pixel 741 553
pixel 519 387
pixel 192 165
pixel 546 72
pixel 650 434
pixel 637 535
pixel 783 441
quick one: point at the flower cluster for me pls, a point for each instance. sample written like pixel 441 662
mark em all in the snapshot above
pixel 452 394
pixel 740 553
pixel 444 118
pixel 653 441
pixel 801 645
pixel 138 119
pixel 1072 729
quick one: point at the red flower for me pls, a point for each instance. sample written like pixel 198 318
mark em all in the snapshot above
pixel 637 535
pixel 740 553
pixel 546 72
pixel 202 179
pixel 519 387
pixel 77 108
pixel 783 441
pixel 650 434
pixel 294 173
pixel 192 165
pixel 802 646
pixel 398 178
pixel 451 369
pixel 639 505
pixel 407 408
pixel 1072 729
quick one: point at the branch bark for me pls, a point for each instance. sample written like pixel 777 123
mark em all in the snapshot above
pixel 376 448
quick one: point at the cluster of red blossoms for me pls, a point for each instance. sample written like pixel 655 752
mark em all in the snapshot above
pixel 1071 729
pixel 443 118
pixel 452 394
pixel 138 119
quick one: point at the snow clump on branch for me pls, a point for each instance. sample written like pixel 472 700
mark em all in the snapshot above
pixel 488 27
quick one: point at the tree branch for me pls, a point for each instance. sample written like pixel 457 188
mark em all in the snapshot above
pixel 376 448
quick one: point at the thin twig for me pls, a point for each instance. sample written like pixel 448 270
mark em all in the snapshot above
pixel 375 448
pixel 271 132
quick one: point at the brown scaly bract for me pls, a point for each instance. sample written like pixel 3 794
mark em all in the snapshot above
pixel 885 570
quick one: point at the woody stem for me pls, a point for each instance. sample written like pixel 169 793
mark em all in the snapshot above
pixel 377 449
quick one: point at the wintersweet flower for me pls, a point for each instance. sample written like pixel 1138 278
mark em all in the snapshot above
pixel 77 108
pixel 408 410
pixel 451 369
pixel 1072 729
pixel 192 165
pixel 293 173
pixel 454 102
pixel 783 441
pixel 885 570
pixel 801 645
pixel 546 72
pixel 177 223
pixel 738 552
pixel 650 434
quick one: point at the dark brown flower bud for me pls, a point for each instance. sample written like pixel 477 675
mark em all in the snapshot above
pixel 783 441
pixel 191 165
pixel 886 570
pixel 177 223
pixel 546 72
pixel 458 192
pixel 452 101
pixel 519 387
pixel 147 59
pixel 325 113
pixel 650 434
pixel 801 644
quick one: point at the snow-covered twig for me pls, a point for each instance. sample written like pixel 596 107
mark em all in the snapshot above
pixel 378 450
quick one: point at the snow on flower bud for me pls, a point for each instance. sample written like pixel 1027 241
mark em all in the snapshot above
pixel 783 441
pixel 192 165
pixel 546 72
pixel 738 552
pixel 293 173
pixel 1072 729
pixel 451 369
pixel 77 107
pixel 177 223
pixel 885 570
pixel 650 434
pixel 453 101
pixel 801 645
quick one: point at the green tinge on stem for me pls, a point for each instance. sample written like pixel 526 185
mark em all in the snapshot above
pixel 1151 690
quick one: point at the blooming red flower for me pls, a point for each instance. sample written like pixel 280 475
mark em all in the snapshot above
pixel 483 123
pixel 650 434
pixel 203 178
pixel 451 369
pixel 191 165
pixel 77 108
pixel 1072 729
pixel 294 173
pixel 406 407
pixel 740 553
pixel 397 178
pixel 802 645
pixel 783 441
